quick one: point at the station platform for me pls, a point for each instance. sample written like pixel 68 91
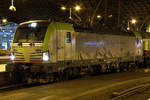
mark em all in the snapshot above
pixel 98 87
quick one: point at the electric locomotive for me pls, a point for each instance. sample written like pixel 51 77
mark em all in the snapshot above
pixel 48 49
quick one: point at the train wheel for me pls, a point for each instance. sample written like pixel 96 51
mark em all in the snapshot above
pixel 132 67
pixel 117 67
pixel 67 74
pixel 76 72
pixel 99 69
pixel 96 69
pixel 103 68
pixel 56 76
pixel 50 77
pixel 108 68
pixel 91 70
pixel 114 67
pixel 43 81
pixel 122 67
pixel 29 80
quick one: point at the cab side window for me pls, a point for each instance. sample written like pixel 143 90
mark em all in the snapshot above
pixel 68 37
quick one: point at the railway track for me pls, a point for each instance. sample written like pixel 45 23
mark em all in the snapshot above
pixel 131 91
pixel 12 87
pixel 18 86
pixel 100 86
pixel 115 96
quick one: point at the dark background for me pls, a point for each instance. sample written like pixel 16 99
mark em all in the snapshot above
pixel 121 10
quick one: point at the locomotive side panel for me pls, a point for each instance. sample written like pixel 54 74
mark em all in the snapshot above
pixel 96 46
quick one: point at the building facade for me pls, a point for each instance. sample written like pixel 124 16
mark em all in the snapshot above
pixel 6 35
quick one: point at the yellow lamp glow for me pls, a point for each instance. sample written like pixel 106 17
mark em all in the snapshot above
pixel 99 16
pixel 77 8
pixel 4 20
pixel 133 21
pixel 12 7
pixel 63 8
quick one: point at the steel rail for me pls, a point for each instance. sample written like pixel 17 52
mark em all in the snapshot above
pixel 130 91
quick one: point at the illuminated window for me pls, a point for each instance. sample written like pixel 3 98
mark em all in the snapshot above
pixel 4 44
pixel 68 37
pixel 148 44
pixel 4 35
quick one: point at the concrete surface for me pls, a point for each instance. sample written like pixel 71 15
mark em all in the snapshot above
pixel 87 88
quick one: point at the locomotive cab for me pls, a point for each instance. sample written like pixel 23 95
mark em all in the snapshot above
pixel 43 42
pixel 28 42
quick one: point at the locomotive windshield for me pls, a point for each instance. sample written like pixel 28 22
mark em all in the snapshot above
pixel 31 32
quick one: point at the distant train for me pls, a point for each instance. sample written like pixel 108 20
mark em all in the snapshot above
pixel 146 48
pixel 46 50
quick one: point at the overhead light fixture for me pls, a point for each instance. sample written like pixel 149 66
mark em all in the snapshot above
pixel 12 7
pixel 110 16
pixel 63 8
pixel 99 16
pixel 128 28
pixel 133 21
pixel 4 20
pixel 77 8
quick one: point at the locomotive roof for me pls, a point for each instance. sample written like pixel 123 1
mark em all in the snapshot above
pixel 105 31
pixel 32 21
pixel 145 35
pixel 87 30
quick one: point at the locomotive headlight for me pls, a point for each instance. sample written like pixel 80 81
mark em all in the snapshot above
pixel 12 57
pixel 45 56
pixel 33 25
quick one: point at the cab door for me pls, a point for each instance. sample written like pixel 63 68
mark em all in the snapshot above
pixel 65 45
pixel 69 45
pixel 60 45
